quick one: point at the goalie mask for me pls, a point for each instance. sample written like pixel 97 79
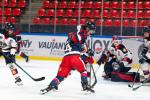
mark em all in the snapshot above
pixel 116 40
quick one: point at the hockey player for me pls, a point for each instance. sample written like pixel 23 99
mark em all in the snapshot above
pixel 118 58
pixel 19 43
pixel 72 59
pixel 145 53
pixel 8 47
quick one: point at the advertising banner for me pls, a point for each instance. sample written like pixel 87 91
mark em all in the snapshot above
pixel 53 46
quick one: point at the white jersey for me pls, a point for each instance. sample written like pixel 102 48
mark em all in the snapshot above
pixel 7 44
pixel 120 52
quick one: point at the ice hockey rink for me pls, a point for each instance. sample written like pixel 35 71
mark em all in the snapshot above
pixel 70 89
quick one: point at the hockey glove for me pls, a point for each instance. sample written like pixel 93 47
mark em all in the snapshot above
pixel 90 52
pixel 102 59
pixel 141 61
pixel 90 60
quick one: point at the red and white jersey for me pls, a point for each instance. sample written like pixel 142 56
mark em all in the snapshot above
pixel 120 52
pixel 8 44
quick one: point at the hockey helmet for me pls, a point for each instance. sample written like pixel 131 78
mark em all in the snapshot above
pixel 9 26
pixel 146 29
pixel 91 26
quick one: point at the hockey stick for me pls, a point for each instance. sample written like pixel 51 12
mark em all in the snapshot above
pixel 134 89
pixel 94 76
pixel 35 79
pixel 129 85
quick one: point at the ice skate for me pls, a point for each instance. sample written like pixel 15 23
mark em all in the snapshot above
pixel 18 81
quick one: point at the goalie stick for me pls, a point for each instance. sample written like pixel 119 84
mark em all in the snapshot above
pixel 142 84
pixel 35 79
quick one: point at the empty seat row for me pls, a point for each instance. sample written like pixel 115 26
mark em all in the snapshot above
pixel 9 19
pixel 11 11
pixel 107 22
pixel 13 3
pixel 95 4
pixel 94 13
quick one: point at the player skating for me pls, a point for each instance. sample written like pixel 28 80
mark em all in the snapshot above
pixel 72 58
pixel 8 48
pixel 145 53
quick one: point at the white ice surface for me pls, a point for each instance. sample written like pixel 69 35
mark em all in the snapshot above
pixel 69 89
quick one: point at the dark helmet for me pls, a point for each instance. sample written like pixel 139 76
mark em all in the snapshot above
pixel 146 29
pixel 9 26
pixel 91 25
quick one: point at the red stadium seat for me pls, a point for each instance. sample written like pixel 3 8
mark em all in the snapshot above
pixel 114 4
pixel 41 12
pixel 16 12
pixel 89 4
pixel 86 13
pixel 117 22
pixel 50 12
pixel 131 14
pixel 55 21
pixel 21 3
pixel 147 14
pixel 97 4
pixel 69 13
pixel 106 5
pixel 105 13
pixel 11 20
pixel 4 3
pixel 95 14
pixel 64 21
pixel 124 14
pixel 12 3
pixel 54 4
pixel 124 5
pixel 126 23
pixel 62 4
pixel 60 12
pixel 73 22
pixel 92 20
pixel 141 23
pixel 133 23
pixel 46 20
pixel 46 3
pixel 108 22
pixel 71 4
pixel 131 5
pixel 81 4
pixel 147 4
pixel 114 14
pixel 98 22
pixel 82 21
pixel 140 14
pixel 36 20
pixel 8 12
pixel 2 19
pixel 76 13
pixel 140 5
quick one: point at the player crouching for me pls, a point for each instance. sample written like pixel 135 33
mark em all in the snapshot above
pixel 117 62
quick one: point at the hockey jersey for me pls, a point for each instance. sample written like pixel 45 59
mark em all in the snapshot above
pixel 120 53
pixel 76 42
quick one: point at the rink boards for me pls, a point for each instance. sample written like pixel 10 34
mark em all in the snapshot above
pixel 51 47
